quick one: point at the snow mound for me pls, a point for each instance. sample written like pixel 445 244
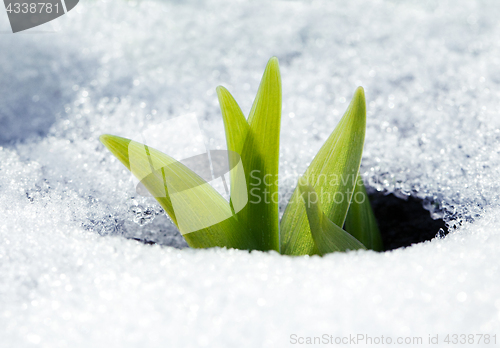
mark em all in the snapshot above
pixel 431 75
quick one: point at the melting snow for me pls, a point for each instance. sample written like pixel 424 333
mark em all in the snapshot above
pixel 68 277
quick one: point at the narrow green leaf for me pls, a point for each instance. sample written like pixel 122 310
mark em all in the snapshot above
pixel 236 128
pixel 260 155
pixel 360 221
pixel 333 174
pixel 202 215
pixel 235 124
pixel 327 236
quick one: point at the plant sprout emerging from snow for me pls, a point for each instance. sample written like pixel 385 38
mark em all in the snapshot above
pixel 312 221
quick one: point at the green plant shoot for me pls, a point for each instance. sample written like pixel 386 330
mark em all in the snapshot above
pixel 313 220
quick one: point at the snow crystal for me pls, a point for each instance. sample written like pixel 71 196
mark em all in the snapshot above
pixel 431 75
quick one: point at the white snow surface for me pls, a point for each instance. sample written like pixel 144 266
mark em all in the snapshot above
pixel 72 276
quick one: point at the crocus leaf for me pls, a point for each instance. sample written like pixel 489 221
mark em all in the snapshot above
pixel 202 215
pixel 260 155
pixel 235 124
pixel 236 128
pixel 360 221
pixel 332 173
pixel 327 236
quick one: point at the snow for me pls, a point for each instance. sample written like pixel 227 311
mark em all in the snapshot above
pixel 431 75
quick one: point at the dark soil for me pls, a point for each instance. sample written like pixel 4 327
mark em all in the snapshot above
pixel 403 222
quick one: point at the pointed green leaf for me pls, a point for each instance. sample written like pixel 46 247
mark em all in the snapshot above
pixel 236 128
pixel 260 155
pixel 327 236
pixel 235 124
pixel 333 174
pixel 202 215
pixel 360 221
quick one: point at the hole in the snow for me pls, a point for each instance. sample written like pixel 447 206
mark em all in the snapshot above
pixel 403 222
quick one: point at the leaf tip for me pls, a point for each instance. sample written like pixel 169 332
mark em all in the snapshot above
pixel 357 108
pixel 360 92
pixel 105 138
pixel 273 60
pixel 221 90
pixel 113 142
pixel 273 65
pixel 118 147
pixel 359 97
